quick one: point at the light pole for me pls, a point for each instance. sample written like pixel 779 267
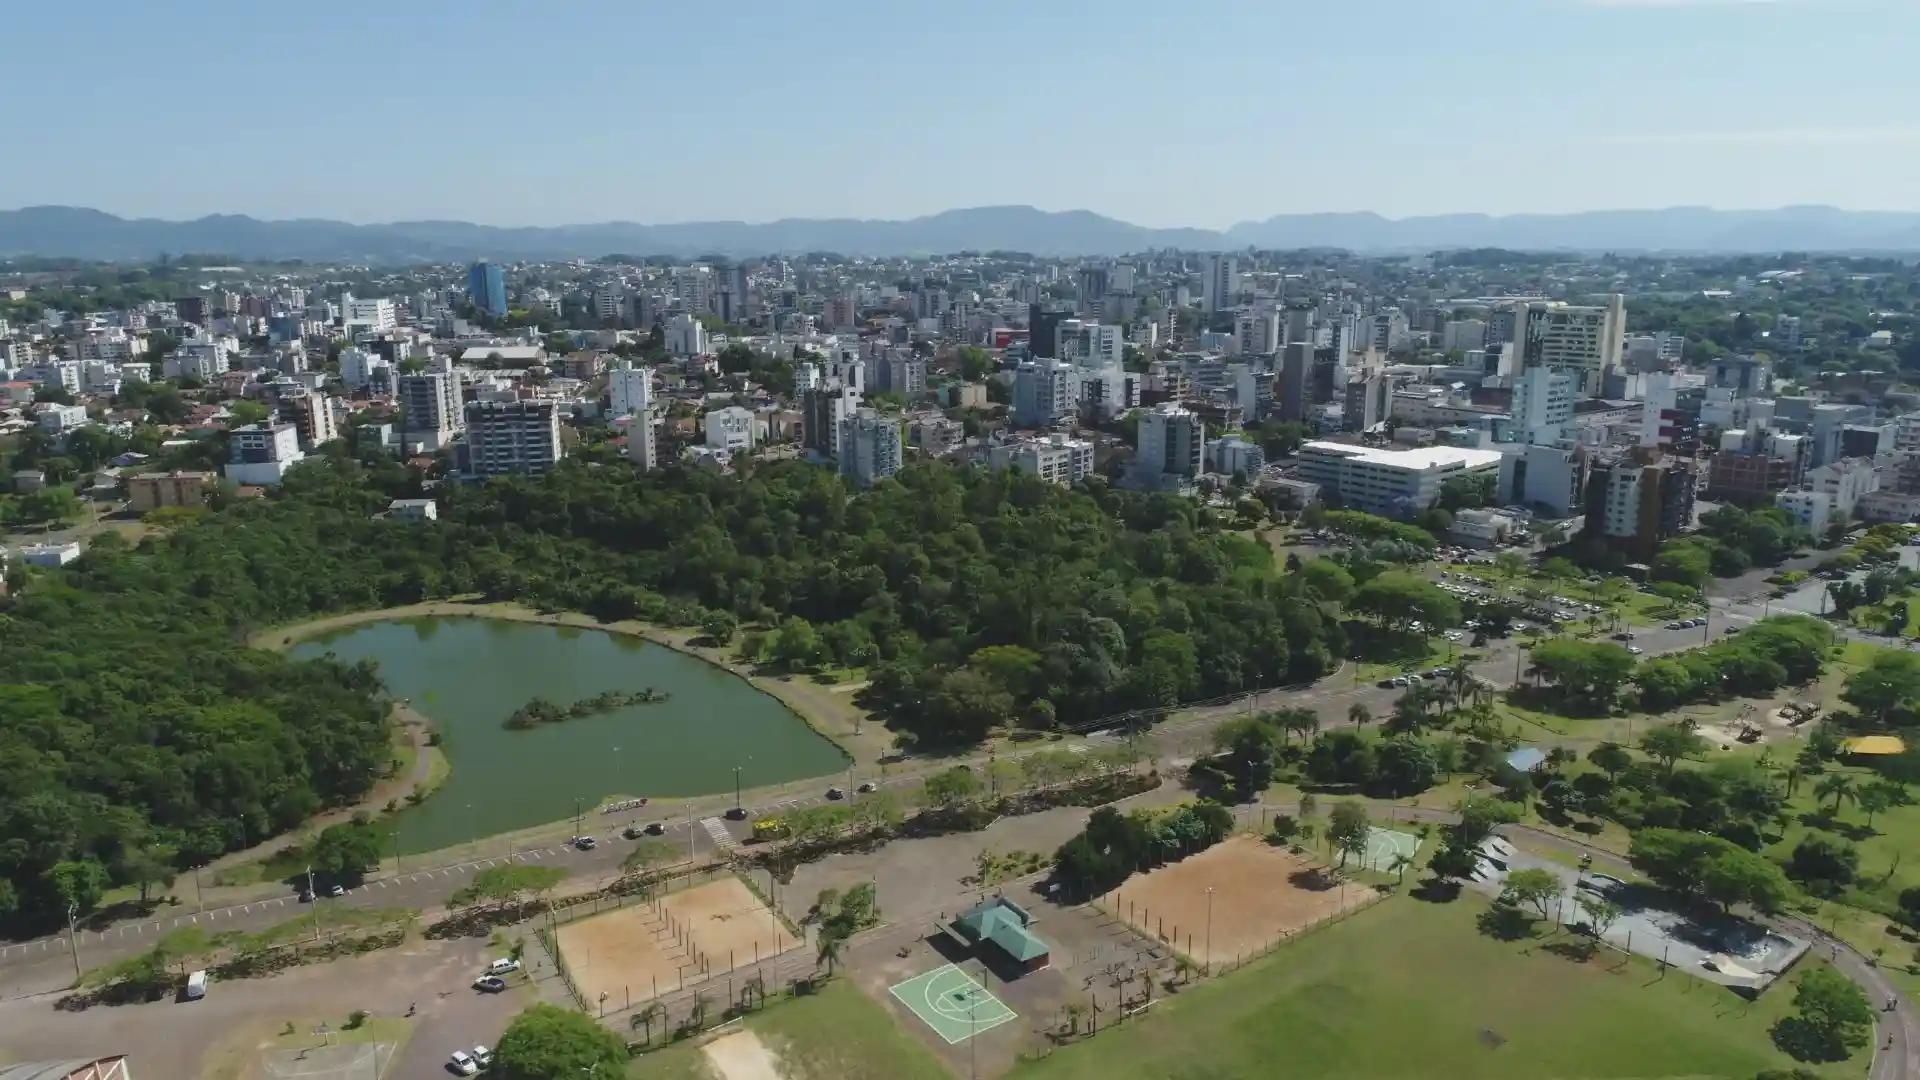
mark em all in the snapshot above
pixel 73 936
pixel 199 899
pixel 736 787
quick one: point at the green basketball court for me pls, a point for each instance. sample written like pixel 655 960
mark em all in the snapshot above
pixel 1385 845
pixel 952 1003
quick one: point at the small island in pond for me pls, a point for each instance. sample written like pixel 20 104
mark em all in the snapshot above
pixel 540 711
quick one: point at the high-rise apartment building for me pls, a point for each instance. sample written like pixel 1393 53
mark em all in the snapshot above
pixel 629 389
pixel 1543 405
pixel 1221 284
pixel 1043 393
pixel 1258 333
pixel 871 447
pixel 1583 341
pixel 822 411
pixel 507 437
pixel 1172 442
pixel 429 404
pixel 487 288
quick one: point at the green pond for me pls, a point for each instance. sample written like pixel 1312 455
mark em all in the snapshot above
pixel 468 674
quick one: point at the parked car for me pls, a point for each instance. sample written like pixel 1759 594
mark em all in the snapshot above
pixel 1635 650
pixel 490 984
pixel 585 843
pixel 867 786
pixel 835 793
pixel 460 1063
pixel 656 828
pixel 336 890
pixel 506 965
pixel 482 1056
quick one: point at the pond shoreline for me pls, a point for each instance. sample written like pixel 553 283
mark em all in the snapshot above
pixel 845 726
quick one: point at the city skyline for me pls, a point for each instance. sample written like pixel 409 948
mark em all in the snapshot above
pixel 524 116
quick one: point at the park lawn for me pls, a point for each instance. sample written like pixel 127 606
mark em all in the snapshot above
pixel 1409 988
pixel 1889 851
pixel 837 1033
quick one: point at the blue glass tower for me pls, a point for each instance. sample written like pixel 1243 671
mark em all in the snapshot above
pixel 487 288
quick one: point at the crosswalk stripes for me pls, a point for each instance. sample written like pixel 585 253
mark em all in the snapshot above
pixel 722 839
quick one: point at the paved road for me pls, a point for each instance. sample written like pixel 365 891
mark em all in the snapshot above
pixel 46 964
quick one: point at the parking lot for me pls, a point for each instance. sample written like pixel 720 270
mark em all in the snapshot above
pixel 220 1037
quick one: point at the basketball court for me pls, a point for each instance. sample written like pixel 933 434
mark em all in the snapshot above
pixel 1384 846
pixel 953 1003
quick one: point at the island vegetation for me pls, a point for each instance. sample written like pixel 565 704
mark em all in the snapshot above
pixel 538 711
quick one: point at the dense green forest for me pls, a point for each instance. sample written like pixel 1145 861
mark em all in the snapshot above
pixel 139 736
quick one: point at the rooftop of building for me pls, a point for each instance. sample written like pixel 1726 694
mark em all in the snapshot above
pixel 1425 457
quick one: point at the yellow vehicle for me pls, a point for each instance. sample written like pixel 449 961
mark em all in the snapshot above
pixel 772 828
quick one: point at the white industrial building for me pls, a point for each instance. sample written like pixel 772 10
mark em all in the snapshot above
pixel 1391 483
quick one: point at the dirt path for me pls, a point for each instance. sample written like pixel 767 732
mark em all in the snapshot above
pixel 741 1056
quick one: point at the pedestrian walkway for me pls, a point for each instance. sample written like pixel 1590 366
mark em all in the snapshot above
pixel 722 839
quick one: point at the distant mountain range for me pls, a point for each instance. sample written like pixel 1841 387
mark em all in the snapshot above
pixel 76 232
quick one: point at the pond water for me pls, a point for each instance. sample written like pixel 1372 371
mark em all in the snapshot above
pixel 469 674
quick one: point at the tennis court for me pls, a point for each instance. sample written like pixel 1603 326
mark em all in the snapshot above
pixel 1385 845
pixel 952 1003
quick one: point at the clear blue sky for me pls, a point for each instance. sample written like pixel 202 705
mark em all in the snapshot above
pixel 1198 112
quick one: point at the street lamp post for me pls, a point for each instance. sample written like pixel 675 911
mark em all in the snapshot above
pixel 736 787
pixel 73 937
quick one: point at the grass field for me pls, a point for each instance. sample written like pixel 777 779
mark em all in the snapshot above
pixel 1413 989
pixel 838 1033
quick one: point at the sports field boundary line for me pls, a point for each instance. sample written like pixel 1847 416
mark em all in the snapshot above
pixel 933 1012
pixel 373 1053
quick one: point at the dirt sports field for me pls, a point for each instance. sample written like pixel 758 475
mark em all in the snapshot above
pixel 1260 894
pixel 630 954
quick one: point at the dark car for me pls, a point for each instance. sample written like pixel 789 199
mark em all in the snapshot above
pixel 490 984
pixel 656 828
pixel 866 786
pixel 835 793
pixel 584 843
pixel 737 813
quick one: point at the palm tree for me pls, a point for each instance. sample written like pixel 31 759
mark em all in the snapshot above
pixel 829 951
pixel 1399 865
pixel 1359 715
pixel 1836 786
pixel 645 1018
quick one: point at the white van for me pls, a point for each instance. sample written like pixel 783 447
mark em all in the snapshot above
pixel 196 986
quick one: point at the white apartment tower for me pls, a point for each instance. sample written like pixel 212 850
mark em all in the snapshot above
pixel 629 389
pixel 1543 405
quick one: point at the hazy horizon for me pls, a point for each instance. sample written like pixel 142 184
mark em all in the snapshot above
pixel 1214 113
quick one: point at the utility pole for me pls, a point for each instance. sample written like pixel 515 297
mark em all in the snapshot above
pixel 736 787
pixel 315 901
pixel 1209 929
